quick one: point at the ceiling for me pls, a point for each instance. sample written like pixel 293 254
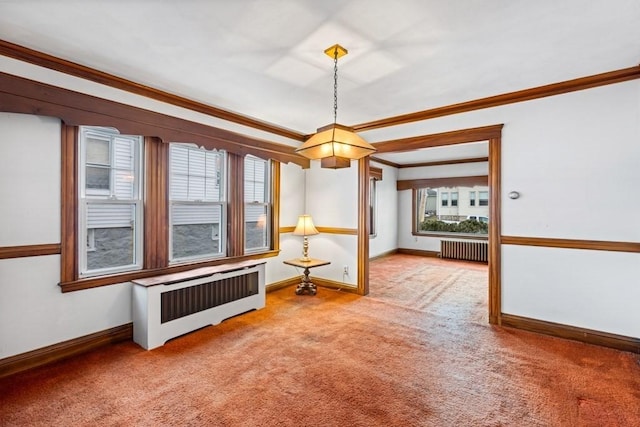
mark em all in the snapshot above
pixel 264 58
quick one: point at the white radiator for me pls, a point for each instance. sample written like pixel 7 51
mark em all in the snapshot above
pixel 168 306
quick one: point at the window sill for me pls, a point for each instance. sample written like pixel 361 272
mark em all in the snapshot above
pixel 95 282
pixel 453 235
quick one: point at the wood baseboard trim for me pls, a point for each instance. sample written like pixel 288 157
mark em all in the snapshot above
pixel 282 284
pixel 63 350
pixel 419 252
pixel 604 339
pixel 384 254
pixel 332 284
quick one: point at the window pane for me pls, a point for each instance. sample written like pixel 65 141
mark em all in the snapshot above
pixel 454 213
pixel 98 151
pixel 98 178
pixel 196 174
pixel 110 235
pixel 256 229
pixel 483 197
pixel 195 230
pixel 256 208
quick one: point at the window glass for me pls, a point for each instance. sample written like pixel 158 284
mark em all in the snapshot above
pixel 110 202
pixel 372 207
pixel 444 210
pixel 257 204
pixel 483 198
pixel 197 198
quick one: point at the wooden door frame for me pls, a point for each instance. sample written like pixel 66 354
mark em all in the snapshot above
pixel 492 134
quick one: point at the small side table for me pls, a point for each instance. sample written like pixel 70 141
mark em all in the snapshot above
pixel 306 285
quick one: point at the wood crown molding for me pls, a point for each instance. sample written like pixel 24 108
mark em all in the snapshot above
pixel 468 181
pixel 605 339
pixel 53 353
pixel 446 162
pixel 463 136
pixel 74 69
pixel 582 83
pixel 20 95
pixel 7 252
pixel 595 245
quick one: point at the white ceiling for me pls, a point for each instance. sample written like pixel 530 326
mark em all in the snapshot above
pixel 264 58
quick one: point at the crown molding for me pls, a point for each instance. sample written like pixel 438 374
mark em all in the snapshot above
pixel 77 70
pixel 581 83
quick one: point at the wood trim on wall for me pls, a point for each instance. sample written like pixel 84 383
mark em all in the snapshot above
pixel 332 284
pixel 582 83
pixel 384 254
pixel 74 69
pixel 326 230
pixel 419 252
pixel 69 202
pixel 375 173
pixel 336 230
pixel 20 95
pixel 363 226
pixel 156 204
pixel 63 350
pixel 292 281
pixel 605 339
pixel 446 162
pixel 384 162
pixel 468 181
pixel 235 205
pixel 463 136
pixel 495 254
pixel 22 251
pixel 594 245
pixel 275 205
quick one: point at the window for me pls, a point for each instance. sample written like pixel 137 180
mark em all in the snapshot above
pixel 110 202
pixel 257 204
pixel 472 198
pixel 197 203
pixel 372 206
pixel 431 216
pixel 483 198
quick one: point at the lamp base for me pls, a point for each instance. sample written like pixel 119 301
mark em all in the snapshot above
pixel 335 162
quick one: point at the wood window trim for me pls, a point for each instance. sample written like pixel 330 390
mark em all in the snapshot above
pixel 468 181
pixel 24 96
pixel 156 217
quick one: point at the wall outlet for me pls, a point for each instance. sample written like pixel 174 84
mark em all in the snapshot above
pixel 345 270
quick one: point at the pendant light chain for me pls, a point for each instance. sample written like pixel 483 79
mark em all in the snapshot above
pixel 335 86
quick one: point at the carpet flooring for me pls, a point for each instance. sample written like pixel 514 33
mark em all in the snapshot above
pixel 417 351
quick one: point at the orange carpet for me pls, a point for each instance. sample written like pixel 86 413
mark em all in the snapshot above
pixel 417 352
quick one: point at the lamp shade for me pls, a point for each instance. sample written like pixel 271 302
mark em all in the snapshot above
pixel 305 226
pixel 335 140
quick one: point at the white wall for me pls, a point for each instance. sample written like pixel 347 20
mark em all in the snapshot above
pixel 33 311
pixel 386 238
pixel 575 159
pixel 332 201
pixel 406 240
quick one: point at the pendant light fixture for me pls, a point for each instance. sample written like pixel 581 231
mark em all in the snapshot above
pixel 335 145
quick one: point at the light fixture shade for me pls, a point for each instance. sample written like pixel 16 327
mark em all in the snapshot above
pixel 335 140
pixel 305 226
